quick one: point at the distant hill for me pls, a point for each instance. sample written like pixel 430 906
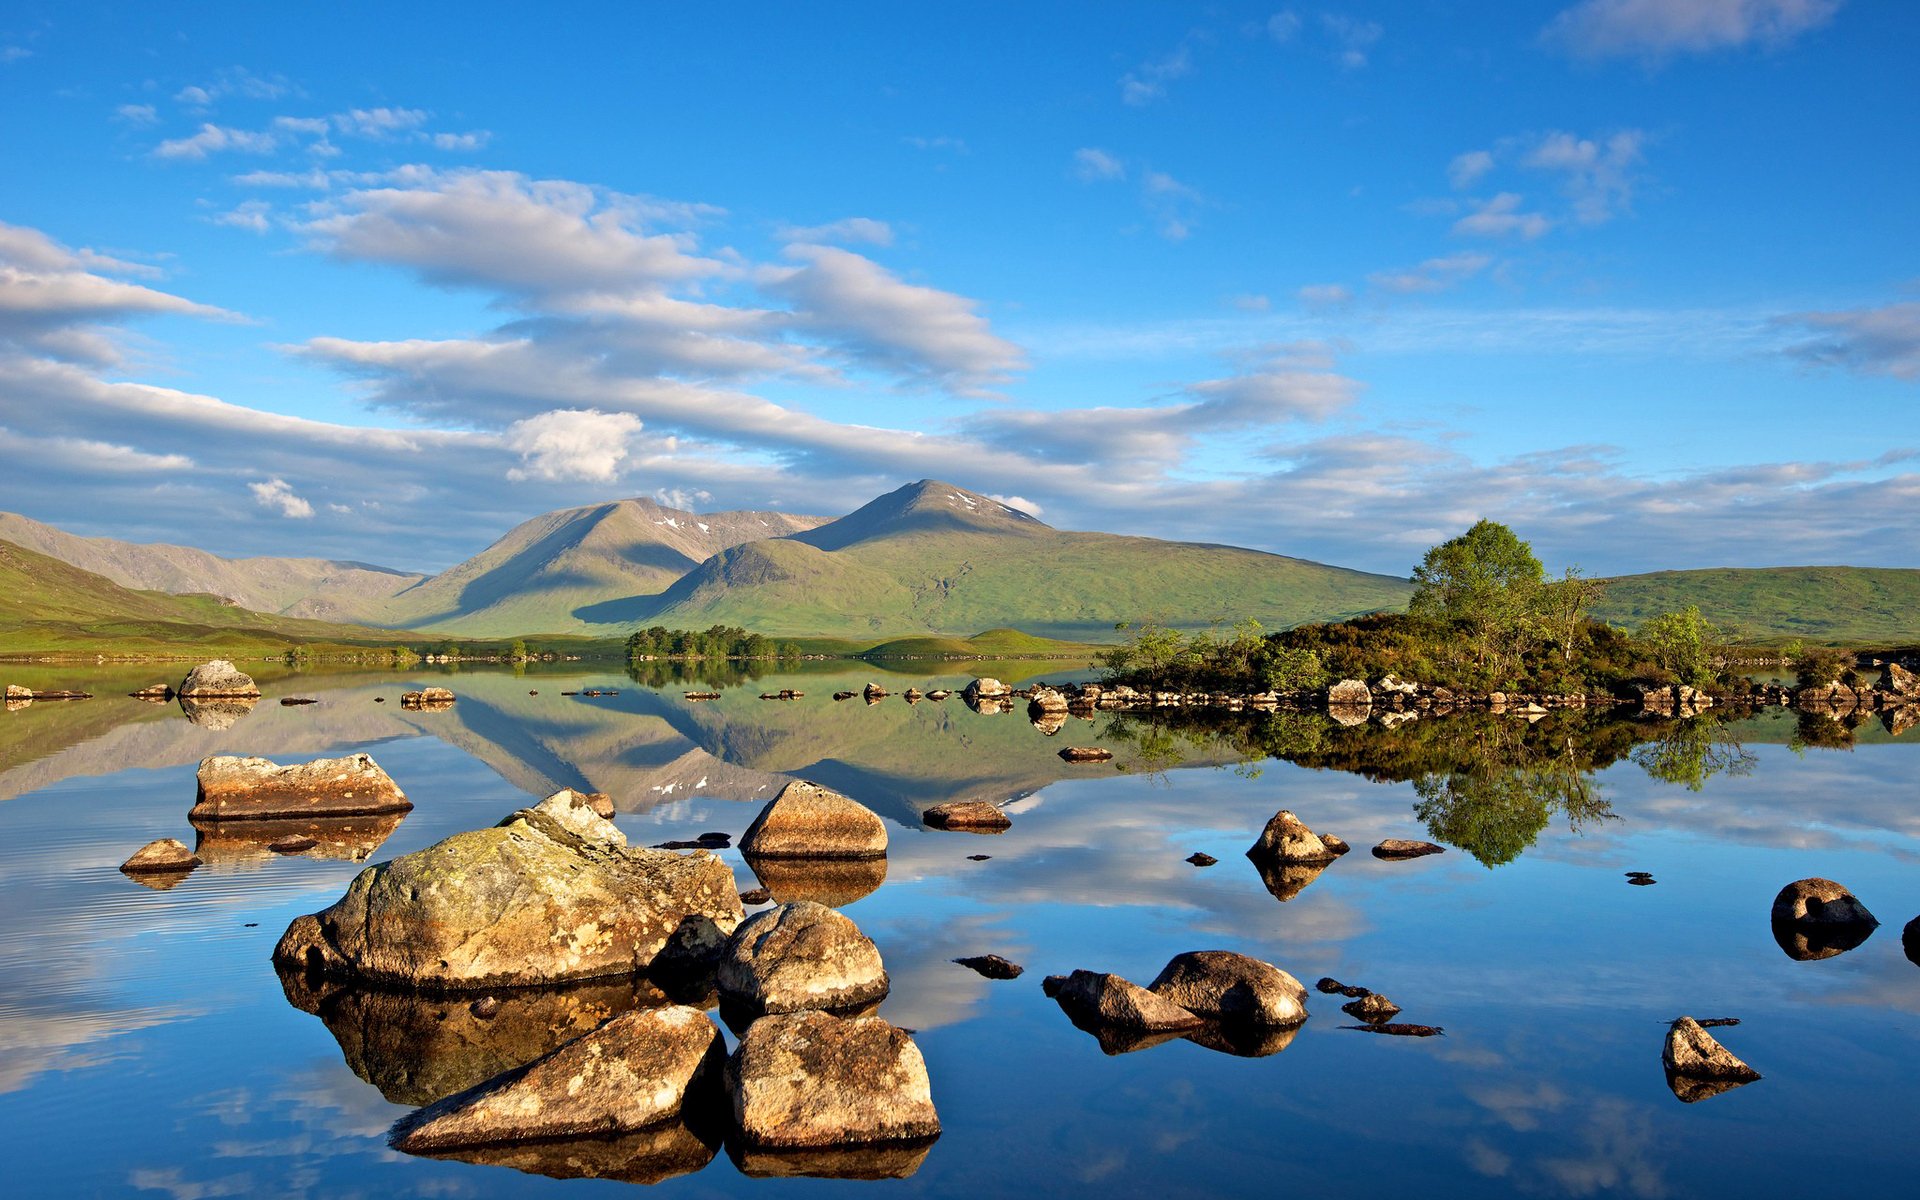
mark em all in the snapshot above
pixel 49 605
pixel 931 558
pixel 1873 605
pixel 578 570
pixel 303 587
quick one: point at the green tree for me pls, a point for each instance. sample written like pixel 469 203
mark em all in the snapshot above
pixel 1678 642
pixel 1564 605
pixel 1488 584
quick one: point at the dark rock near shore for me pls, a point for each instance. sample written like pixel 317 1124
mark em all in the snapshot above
pixel 757 895
pixel 255 789
pixel 992 966
pixel 1395 849
pixel 551 894
pixel 1201 859
pixel 166 856
pixel 1372 1008
pixel 811 1080
pixel 1333 987
pixel 809 821
pixel 970 816
pixel 1086 754
pixel 799 956
pixel 1400 1029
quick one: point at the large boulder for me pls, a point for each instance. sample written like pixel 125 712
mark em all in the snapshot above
pixel 217 679
pixel 1900 681
pixel 1095 999
pixel 17 692
pixel 551 894
pixel 798 956
pixel 254 789
pixel 813 1080
pixel 809 821
pixel 1232 987
pixel 1287 839
pixel 984 687
pixel 635 1071
pixel 1349 693
pixel 1818 901
pixel 1047 700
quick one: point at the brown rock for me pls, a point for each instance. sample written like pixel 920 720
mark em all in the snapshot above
pixel 1395 849
pixel 633 1072
pixel 1349 693
pixel 1401 1029
pixel 218 679
pixel 1086 754
pixel 813 1080
pixel 1372 1008
pixel 757 895
pixel 1094 999
pixel 809 821
pixel 1046 700
pixel 1692 1055
pixel 1201 859
pixel 601 804
pixel 992 966
pixel 551 894
pixel 649 1156
pixel 834 882
pixel 1900 681
pixel 984 688
pixel 427 698
pixel 799 956
pixel 1287 839
pixel 254 789
pixel 1232 987
pixel 165 856
pixel 973 816
pixel 293 844
pixel 1818 901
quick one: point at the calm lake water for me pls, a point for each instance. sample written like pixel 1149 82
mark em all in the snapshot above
pixel 147 1046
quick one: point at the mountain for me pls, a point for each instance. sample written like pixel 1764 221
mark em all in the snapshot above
pixel 934 558
pixel 1869 605
pixel 578 570
pixel 302 587
pixel 52 605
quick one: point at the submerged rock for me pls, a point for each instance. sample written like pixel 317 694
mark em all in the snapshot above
pixel 1232 987
pixel 1400 1029
pixel 1287 839
pixel 992 966
pixel 799 956
pixel 1394 849
pixel 972 816
pixel 809 821
pixel 161 857
pixel 216 680
pixel 255 789
pixel 551 894
pixel 815 1081
pixel 1095 1000
pixel 634 1071
pixel 1819 902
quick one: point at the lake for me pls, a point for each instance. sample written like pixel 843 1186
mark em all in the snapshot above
pixel 148 1048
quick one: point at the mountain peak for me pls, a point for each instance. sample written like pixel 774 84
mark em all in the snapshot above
pixel 925 506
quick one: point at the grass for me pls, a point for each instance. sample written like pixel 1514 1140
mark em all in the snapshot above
pixel 1858 606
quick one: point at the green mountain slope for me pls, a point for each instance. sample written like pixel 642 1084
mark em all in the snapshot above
pixel 48 605
pixel 931 558
pixel 1874 605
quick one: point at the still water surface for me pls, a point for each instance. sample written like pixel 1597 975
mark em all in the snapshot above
pixel 148 1048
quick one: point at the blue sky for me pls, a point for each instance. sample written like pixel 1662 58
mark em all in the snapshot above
pixel 1638 277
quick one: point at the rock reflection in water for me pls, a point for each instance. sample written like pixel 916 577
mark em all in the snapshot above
pixel 1689 1089
pixel 648 1156
pixel 246 843
pixel 1288 879
pixel 834 882
pixel 886 1160
pixel 1246 1041
pixel 1807 942
pixel 420 1048
pixel 216 714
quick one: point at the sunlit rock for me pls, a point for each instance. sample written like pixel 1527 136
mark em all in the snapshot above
pixel 551 894
pixel 1286 838
pixel 809 821
pixel 1817 901
pixel 218 679
pixel 223 844
pixel 254 789
pixel 1095 1000
pixel 800 956
pixel 1372 1008
pixel 164 856
pixel 811 1080
pixel 1225 986
pixel 427 698
pixel 632 1072
pixel 1349 693
pixel 1698 1066
pixel 1395 849
pixel 972 816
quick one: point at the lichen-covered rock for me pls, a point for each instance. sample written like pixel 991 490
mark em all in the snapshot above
pixel 973 815
pixel 798 956
pixel 1287 839
pixel 1818 901
pixel 1693 1054
pixel 551 894
pixel 813 1080
pixel 215 679
pixel 433 697
pixel 632 1072
pixel 1094 999
pixel 1900 681
pixel 254 789
pixel 1232 987
pixel 809 821
pixel 165 855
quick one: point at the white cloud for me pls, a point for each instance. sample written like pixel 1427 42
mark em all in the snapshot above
pixel 1501 217
pixel 1655 29
pixel 88 455
pixel 1433 275
pixel 1251 302
pixel 1020 502
pixel 1148 82
pixel 1325 295
pixel 1093 165
pixel 136 114
pixel 1598 175
pixel 1283 26
pixel 1352 37
pixel 276 495
pixel 254 216
pixel 53 299
pixel 1466 168
pixel 1173 204
pixel 213 139
pixel 850 230
pixel 583 444
pixel 1872 341
pixel 475 139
